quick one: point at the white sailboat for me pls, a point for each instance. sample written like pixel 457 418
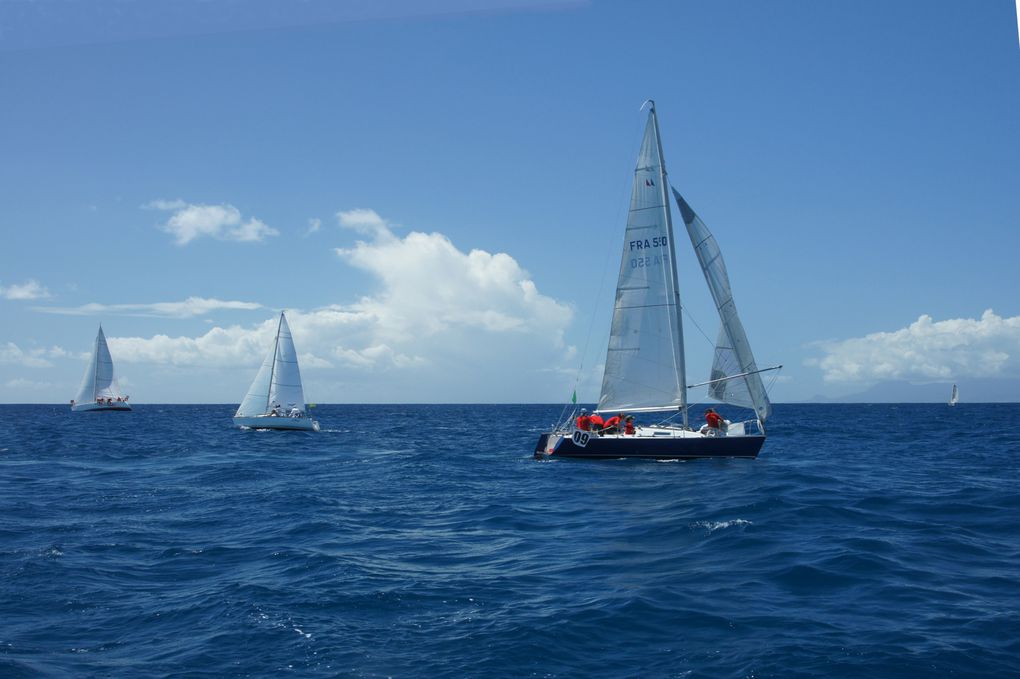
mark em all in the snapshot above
pixel 99 389
pixel 955 396
pixel 645 366
pixel 275 399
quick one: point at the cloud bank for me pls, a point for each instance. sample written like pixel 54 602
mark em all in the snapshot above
pixel 443 322
pixel 927 350
pixel 223 222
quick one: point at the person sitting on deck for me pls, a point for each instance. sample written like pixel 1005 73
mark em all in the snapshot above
pixel 584 420
pixel 628 426
pixel 597 423
pixel 613 424
pixel 713 423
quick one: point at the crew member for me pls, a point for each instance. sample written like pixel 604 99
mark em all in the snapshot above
pixel 584 420
pixel 613 424
pixel 597 423
pixel 713 422
pixel 628 426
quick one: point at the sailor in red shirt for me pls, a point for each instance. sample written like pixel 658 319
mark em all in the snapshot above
pixel 613 424
pixel 583 420
pixel 597 423
pixel 713 419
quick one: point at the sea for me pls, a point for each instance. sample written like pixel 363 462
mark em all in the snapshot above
pixel 425 541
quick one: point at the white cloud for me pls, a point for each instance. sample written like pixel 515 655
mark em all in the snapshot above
pixel 314 224
pixel 366 222
pixel 431 287
pixel 30 289
pixel 191 221
pixel 33 385
pixel 444 325
pixel 927 350
pixel 192 306
pixel 31 358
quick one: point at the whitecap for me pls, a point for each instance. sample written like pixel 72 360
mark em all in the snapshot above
pixel 713 526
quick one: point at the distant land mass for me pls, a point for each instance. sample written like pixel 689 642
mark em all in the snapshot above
pixel 980 390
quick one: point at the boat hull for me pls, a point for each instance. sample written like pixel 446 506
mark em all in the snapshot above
pixel 91 407
pixel 282 423
pixel 557 445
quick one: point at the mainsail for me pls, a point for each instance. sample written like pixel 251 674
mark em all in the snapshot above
pixel 645 361
pixel 278 382
pixel 955 397
pixel 98 380
pixel 733 357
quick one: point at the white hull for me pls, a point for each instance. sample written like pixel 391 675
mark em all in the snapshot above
pixel 85 407
pixel 270 422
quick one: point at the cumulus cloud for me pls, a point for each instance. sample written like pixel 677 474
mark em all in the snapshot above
pixel 192 306
pixel 444 324
pixel 431 287
pixel 224 222
pixel 30 289
pixel 314 225
pixel 927 350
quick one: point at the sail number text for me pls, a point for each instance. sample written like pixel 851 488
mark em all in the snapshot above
pixel 647 244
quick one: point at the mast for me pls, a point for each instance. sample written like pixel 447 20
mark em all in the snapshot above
pixel 678 349
pixel 95 361
pixel 272 370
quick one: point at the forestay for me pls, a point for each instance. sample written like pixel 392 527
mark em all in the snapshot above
pixel 732 352
pixel 645 364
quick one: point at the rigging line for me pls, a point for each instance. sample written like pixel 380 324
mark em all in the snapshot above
pixel 695 322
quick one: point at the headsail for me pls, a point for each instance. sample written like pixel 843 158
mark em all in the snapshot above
pixel 278 382
pixel 98 380
pixel 645 362
pixel 733 352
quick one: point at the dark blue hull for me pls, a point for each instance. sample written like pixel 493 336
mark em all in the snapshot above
pixel 665 448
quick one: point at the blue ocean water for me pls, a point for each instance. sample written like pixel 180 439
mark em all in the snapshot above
pixel 424 541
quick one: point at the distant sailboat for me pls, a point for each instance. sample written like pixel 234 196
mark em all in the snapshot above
pixel 99 389
pixel 275 400
pixel 645 364
pixel 955 396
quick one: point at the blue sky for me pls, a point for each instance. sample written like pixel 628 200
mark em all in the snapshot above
pixel 436 191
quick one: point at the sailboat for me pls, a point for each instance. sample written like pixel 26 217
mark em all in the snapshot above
pixel 99 389
pixel 275 399
pixel 955 396
pixel 645 368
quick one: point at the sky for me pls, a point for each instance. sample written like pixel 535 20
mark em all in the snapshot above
pixel 436 192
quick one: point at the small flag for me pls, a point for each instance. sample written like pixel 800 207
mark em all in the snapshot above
pixel 573 399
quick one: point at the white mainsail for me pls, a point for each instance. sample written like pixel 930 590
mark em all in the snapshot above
pixel 98 380
pixel 955 397
pixel 278 382
pixel 645 361
pixel 733 357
